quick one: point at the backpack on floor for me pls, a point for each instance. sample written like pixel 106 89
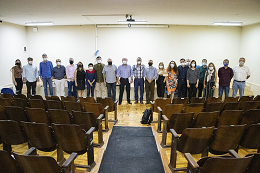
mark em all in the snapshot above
pixel 146 118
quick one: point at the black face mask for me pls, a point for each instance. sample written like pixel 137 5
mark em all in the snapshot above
pixel 71 62
pixel 109 63
pixel 17 63
pixel 80 65
pixel 150 64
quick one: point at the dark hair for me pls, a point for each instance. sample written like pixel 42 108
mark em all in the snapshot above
pixel 182 59
pixel 20 66
pixel 192 62
pixel 98 57
pixel 78 66
pixel 29 58
pixel 204 59
pixel 90 64
pixel 213 66
pixel 226 60
pixel 175 68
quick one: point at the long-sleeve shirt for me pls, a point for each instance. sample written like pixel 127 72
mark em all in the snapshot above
pixel 225 76
pixel 58 73
pixel 138 71
pixel 70 69
pixel 30 72
pixel 183 71
pixel 45 69
pixel 150 73
pixel 193 75
pixel 124 71
pixel 110 73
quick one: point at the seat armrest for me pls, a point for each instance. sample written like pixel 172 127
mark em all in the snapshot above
pixel 165 118
pixel 159 108
pixel 31 151
pixel 191 161
pixel 100 117
pixel 91 130
pixel 115 102
pixel 234 153
pixel 106 107
pixel 174 133
pixel 71 159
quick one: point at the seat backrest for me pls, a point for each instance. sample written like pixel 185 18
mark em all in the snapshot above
pixel 246 105
pixel 257 98
pixel 70 137
pixel 251 137
pixel 2 113
pixel 194 107
pixel 214 99
pixel 5 102
pixel 211 107
pixel 225 164
pixel 171 109
pixel 52 98
pixel 231 99
pixel 11 132
pixel 198 137
pixel 7 95
pixel 59 116
pixel 68 98
pixel 53 104
pixel 231 106
pixel 229 117
pixel 7 91
pixel 226 138
pixel 86 99
pixel 180 121
pixel 20 102
pixel 38 115
pixel 251 116
pixel 20 96
pixel 95 108
pixel 85 119
pixel 246 98
pixel 179 100
pixel 254 166
pixel 206 119
pixel 16 113
pixel 197 100
pixel 34 163
pixel 39 136
pixel 8 164
pixel 35 97
pixel 107 101
pixel 161 102
pixel 72 106
pixel 36 103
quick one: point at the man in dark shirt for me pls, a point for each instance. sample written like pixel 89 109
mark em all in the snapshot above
pixel 225 75
pixel 182 82
pixel 58 74
pixel 202 70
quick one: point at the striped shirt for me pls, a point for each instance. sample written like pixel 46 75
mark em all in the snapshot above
pixel 138 71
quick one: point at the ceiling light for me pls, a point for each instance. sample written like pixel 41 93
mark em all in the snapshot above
pixel 131 21
pixel 39 23
pixel 228 23
pixel 133 26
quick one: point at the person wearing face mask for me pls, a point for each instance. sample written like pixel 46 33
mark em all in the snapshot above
pixel 109 75
pixel 172 77
pixel 138 70
pixel 124 78
pixel 225 75
pixel 202 70
pixel 100 86
pixel 188 62
pixel 30 76
pixel 210 80
pixel 45 74
pixel 90 80
pixel 17 77
pixel 80 79
pixel 161 80
pixel 150 74
pixel 241 74
pixel 193 76
pixel 182 82
pixel 70 70
pixel 58 74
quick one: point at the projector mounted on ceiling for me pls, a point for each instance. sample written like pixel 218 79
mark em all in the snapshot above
pixel 130 21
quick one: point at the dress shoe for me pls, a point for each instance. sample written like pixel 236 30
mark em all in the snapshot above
pixel 119 103
pixel 147 103
pixel 141 101
pixel 136 101
pixel 129 103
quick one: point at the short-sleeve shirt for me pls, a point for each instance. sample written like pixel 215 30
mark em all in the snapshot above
pixel 241 73
pixel 17 72
pixel 110 72
pixel 99 69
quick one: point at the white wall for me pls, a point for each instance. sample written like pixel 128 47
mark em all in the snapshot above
pixel 12 42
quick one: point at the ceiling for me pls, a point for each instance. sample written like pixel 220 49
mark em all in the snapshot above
pixel 172 12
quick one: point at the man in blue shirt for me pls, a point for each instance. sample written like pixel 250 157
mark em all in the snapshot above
pixel 150 74
pixel 45 74
pixel 124 73
pixel 182 81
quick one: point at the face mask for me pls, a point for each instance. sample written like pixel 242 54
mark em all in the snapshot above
pixel 210 68
pixel 204 64
pixel 225 64
pixel 91 68
pixel 30 62
pixel 160 66
pixel 138 62
pixel 187 63
pixel 193 65
pixel 241 63
pixel 172 65
pixel 80 65
pixel 71 62
pixel 58 63
pixel 150 64
pixel 109 63
pixel 17 63
pixel 44 59
pixel 124 62
pixel 183 64
pixel 98 61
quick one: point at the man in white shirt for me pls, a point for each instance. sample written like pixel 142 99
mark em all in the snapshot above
pixel 241 74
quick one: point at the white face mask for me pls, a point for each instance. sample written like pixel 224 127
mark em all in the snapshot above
pixel 138 62
pixel 204 64
pixel 172 65
pixel 44 59
pixel 183 64
pixel 241 63
pixel 160 66
pixel 187 63
pixel 124 62
pixel 193 65
pixel 91 68
pixel 58 63
pixel 210 68
pixel 30 62
pixel 98 61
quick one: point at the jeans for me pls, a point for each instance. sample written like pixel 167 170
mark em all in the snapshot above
pixel 238 86
pixel 111 87
pixel 90 88
pixel 49 81
pixel 31 85
pixel 221 89
pixel 140 83
pixel 70 86
pixel 19 85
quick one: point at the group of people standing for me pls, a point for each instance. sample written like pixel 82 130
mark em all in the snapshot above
pixel 185 77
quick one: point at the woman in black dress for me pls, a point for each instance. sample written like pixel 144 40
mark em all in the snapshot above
pixel 80 77
pixel 160 82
